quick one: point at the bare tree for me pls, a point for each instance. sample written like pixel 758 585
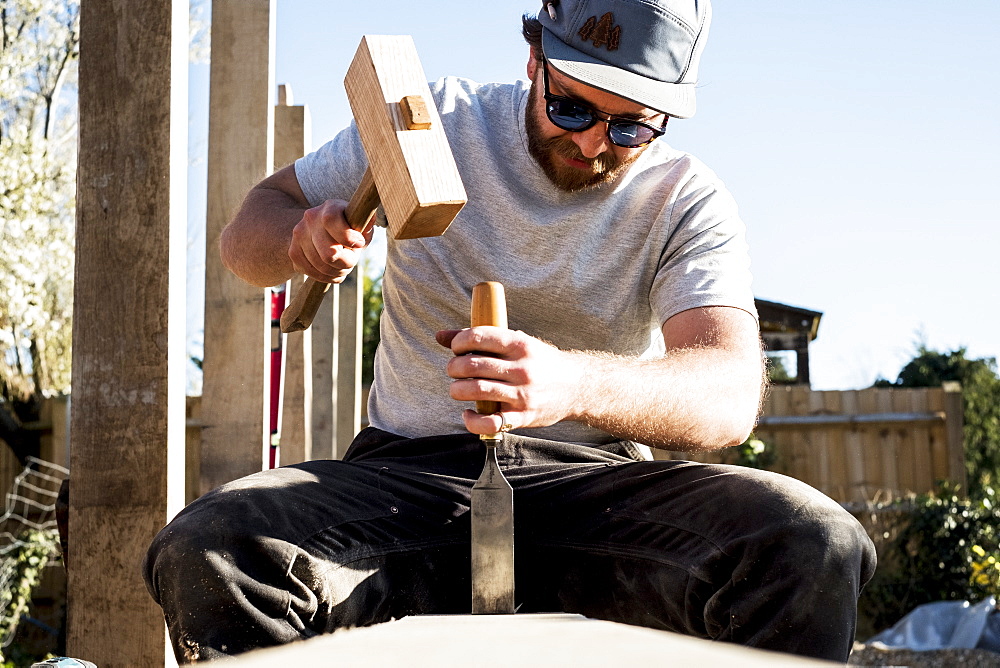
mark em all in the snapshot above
pixel 39 46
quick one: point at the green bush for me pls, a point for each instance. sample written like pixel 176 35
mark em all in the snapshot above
pixel 935 547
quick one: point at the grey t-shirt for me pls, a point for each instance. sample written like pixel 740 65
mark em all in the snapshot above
pixel 595 270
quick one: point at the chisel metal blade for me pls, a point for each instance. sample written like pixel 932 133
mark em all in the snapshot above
pixel 492 538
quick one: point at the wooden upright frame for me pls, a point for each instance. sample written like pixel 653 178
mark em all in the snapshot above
pixel 235 436
pixel 127 416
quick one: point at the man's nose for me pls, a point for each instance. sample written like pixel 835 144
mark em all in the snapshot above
pixel 593 141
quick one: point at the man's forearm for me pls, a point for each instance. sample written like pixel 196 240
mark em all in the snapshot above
pixel 703 394
pixel 691 399
pixel 254 246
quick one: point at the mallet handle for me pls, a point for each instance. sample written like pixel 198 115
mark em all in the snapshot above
pixel 299 314
pixel 489 307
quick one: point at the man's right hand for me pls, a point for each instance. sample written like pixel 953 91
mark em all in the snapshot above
pixel 324 246
pixel 276 235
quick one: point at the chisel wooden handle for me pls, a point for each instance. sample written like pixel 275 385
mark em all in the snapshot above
pixel 489 307
pixel 299 314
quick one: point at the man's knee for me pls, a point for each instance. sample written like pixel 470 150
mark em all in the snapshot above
pixel 207 541
pixel 827 545
pixel 179 552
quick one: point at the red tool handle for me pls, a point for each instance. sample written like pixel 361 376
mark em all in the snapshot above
pixel 489 307
pixel 299 314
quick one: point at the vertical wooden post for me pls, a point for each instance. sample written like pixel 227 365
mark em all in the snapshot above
pixel 955 430
pixel 294 434
pixel 235 438
pixel 325 354
pixel 292 136
pixel 349 360
pixel 127 416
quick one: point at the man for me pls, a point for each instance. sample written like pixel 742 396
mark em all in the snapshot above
pixel 632 322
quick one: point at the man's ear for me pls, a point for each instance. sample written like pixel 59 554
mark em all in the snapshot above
pixel 532 64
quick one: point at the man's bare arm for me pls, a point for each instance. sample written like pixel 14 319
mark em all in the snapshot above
pixel 704 393
pixel 276 234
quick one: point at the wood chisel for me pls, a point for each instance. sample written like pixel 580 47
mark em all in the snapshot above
pixel 492 496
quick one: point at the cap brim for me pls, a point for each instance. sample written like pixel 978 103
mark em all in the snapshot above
pixel 673 99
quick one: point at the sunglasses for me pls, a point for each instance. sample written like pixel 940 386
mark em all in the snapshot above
pixel 574 116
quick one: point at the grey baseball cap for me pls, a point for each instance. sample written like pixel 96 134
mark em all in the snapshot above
pixel 644 50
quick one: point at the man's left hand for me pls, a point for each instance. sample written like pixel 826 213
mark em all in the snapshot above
pixel 534 381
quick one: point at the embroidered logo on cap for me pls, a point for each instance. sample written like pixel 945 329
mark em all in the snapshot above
pixel 602 32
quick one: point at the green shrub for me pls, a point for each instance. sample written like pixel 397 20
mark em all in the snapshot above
pixel 20 573
pixel 933 547
pixel 754 453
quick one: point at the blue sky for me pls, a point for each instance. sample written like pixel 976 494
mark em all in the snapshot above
pixel 861 140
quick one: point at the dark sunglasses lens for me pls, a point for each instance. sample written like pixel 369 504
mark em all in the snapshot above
pixel 630 135
pixel 568 115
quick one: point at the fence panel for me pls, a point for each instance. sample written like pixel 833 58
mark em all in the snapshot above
pixel 860 445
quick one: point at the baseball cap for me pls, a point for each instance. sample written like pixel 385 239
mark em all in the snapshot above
pixel 644 50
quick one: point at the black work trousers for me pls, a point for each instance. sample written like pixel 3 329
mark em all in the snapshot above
pixel 721 552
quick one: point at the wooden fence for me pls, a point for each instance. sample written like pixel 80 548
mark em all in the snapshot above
pixel 861 445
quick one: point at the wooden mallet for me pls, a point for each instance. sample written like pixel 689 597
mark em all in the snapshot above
pixel 411 169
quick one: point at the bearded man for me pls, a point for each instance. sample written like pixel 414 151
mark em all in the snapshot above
pixel 632 326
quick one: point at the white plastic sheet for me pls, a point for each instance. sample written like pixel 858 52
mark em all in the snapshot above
pixel 943 625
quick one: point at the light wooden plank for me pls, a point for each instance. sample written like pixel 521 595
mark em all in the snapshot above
pixel 918 441
pixel 777 404
pixel 801 446
pixel 541 640
pixel 839 479
pixel 325 352
pixel 127 415
pixel 955 430
pixel 294 434
pixel 292 137
pixel 820 474
pixel 349 361
pixel 854 451
pixel 889 451
pixel 235 439
pixel 292 129
pixel 938 436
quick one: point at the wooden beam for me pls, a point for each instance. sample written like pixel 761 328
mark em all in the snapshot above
pixel 955 432
pixel 127 416
pixel 294 436
pixel 292 129
pixel 237 316
pixel 553 639
pixel 349 360
pixel 292 137
pixel 325 354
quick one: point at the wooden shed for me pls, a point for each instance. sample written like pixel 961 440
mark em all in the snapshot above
pixel 789 328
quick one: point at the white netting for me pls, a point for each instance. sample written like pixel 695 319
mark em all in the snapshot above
pixel 30 506
pixel 31 502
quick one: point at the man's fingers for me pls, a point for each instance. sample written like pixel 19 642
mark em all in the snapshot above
pixel 493 340
pixel 445 336
pixel 483 389
pixel 478 366
pixel 323 245
pixel 488 424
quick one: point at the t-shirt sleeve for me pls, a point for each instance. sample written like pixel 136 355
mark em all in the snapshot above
pixel 706 260
pixel 334 170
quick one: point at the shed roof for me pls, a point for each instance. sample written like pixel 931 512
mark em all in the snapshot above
pixel 777 317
